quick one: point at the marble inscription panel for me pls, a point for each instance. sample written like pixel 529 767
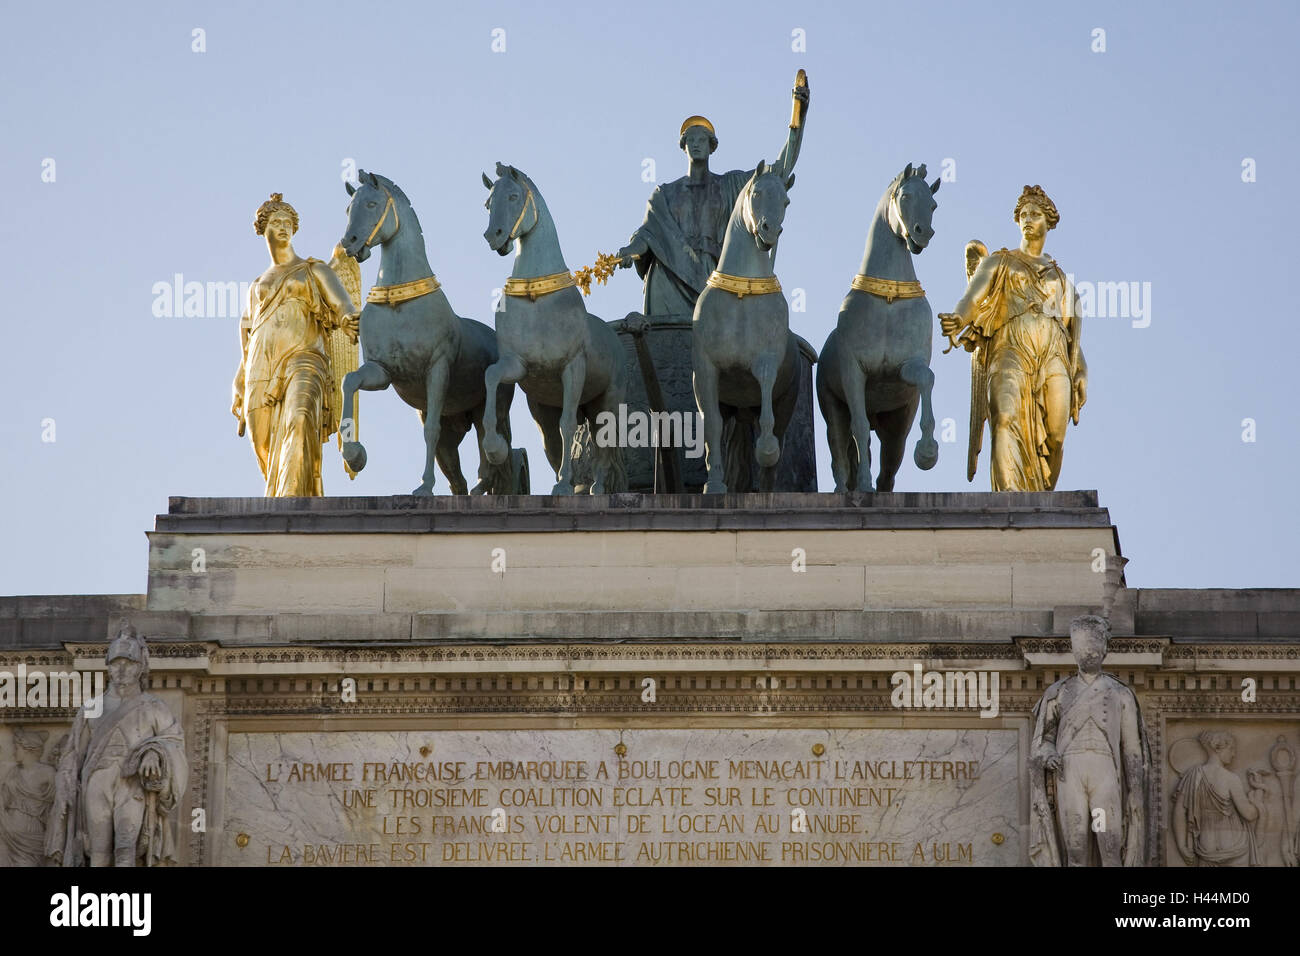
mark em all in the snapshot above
pixel 865 796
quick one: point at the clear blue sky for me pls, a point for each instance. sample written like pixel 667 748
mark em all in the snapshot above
pixel 163 154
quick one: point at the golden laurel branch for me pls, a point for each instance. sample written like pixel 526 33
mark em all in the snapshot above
pixel 601 271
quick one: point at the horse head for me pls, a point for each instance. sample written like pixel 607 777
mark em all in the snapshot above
pixel 373 217
pixel 764 204
pixel 512 208
pixel 912 206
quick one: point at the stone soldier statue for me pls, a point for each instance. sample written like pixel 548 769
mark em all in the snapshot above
pixel 1089 764
pixel 121 777
pixel 678 245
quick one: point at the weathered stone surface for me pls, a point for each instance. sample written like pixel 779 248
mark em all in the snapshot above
pixel 630 553
pixel 761 796
pixel 1229 792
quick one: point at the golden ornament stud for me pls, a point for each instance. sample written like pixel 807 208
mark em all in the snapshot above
pixel 818 749
pixel 998 839
pixel 426 750
pixel 620 748
pixel 241 841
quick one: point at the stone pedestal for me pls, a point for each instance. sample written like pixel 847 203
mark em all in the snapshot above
pixel 641 680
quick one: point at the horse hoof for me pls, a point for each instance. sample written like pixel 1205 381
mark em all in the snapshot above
pixel 926 455
pixel 713 487
pixel 562 488
pixel 495 450
pixel 354 454
pixel 767 452
pixel 426 488
pixel 597 488
pixel 481 488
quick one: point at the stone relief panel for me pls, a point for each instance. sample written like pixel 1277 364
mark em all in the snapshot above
pixel 28 756
pixel 1231 793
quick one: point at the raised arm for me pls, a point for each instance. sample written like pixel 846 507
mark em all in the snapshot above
pixel 790 152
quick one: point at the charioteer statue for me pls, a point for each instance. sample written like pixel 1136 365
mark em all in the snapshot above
pixel 677 247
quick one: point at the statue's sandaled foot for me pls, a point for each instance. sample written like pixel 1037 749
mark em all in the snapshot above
pixel 426 488
pixel 495 449
pixel 354 453
pixel 562 488
pixel 767 451
pixel 926 455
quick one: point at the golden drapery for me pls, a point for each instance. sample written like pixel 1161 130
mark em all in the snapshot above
pixel 288 396
pixel 1024 353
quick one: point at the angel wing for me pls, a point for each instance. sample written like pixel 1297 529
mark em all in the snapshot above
pixel 979 376
pixel 344 354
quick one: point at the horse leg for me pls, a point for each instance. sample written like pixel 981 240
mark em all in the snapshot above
pixel 610 471
pixel 495 479
pixel 572 380
pixel 892 427
pixel 837 428
pixel 783 408
pixel 507 370
pixel 370 378
pixel 767 449
pixel 448 453
pixel 738 470
pixel 854 380
pixel 705 383
pixel 547 418
pixel 435 390
pixel 916 372
pixel 484 484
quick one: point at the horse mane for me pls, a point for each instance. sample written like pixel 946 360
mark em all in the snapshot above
pixel 527 181
pixel 393 188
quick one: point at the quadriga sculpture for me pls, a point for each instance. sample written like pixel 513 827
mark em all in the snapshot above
pixel 411 339
pixel 875 365
pixel 744 357
pixel 567 361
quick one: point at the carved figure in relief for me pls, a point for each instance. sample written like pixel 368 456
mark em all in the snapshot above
pixel 26 795
pixel 1213 818
pixel 1217 819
